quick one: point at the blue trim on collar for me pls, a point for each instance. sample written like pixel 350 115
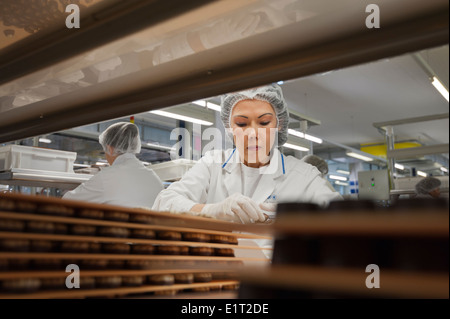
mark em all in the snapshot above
pixel 226 162
pixel 282 162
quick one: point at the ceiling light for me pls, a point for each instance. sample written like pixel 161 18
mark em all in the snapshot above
pixel 305 136
pixel 313 138
pixel 296 147
pixel 444 169
pixel 296 133
pixel 45 140
pixel 337 177
pixel 420 173
pixel 181 117
pixel 341 183
pixel 208 105
pixel 399 166
pixel 101 163
pixel 359 156
pixel 343 172
pixel 440 87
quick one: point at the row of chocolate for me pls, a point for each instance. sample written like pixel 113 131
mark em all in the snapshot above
pixel 26 245
pixel 29 285
pixel 44 227
pixel 24 206
pixel 16 264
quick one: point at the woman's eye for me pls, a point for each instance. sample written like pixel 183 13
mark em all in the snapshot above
pixel 241 124
pixel 265 123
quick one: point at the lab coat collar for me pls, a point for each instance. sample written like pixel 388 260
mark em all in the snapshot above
pixel 270 174
pixel 276 167
pixel 123 158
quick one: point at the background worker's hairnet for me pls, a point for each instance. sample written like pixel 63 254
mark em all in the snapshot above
pixel 123 137
pixel 271 94
pixel 318 162
pixel 427 184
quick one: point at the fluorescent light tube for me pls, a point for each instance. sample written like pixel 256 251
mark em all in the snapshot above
pixel 444 169
pixel 359 156
pixel 343 172
pixel 101 163
pixel 420 173
pixel 440 87
pixel 305 136
pixel 337 177
pixel 313 138
pixel 296 147
pixel 209 105
pixel 181 117
pixel 45 140
pixel 341 183
pixel 296 133
pixel 399 166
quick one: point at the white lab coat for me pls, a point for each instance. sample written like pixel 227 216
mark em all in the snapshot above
pixel 127 182
pixel 217 175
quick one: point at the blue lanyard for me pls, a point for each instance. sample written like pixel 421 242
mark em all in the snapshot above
pixel 225 164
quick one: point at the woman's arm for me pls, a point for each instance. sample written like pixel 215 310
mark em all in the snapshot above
pixel 190 192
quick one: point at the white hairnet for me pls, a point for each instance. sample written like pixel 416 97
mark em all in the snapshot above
pixel 271 94
pixel 427 184
pixel 318 162
pixel 123 137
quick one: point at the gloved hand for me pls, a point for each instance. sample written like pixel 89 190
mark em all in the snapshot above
pixel 269 207
pixel 269 210
pixel 235 208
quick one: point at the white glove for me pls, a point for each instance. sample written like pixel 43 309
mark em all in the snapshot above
pixel 235 208
pixel 269 210
pixel 269 207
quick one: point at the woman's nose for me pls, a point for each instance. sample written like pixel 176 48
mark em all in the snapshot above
pixel 252 132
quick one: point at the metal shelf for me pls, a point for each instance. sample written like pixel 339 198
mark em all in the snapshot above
pixel 36 178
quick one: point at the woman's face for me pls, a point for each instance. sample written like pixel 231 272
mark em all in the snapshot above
pixel 254 125
pixel 435 193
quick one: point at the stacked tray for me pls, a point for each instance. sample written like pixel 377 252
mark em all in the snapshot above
pixel 120 252
pixel 339 252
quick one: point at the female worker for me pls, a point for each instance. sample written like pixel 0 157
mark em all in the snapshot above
pixel 238 184
pixel 428 187
pixel 127 182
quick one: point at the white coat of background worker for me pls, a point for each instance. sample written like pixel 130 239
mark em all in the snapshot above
pixel 320 164
pixel 127 182
pixel 243 183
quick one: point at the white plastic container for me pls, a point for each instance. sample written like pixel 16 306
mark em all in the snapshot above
pixel 27 157
pixel 172 170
